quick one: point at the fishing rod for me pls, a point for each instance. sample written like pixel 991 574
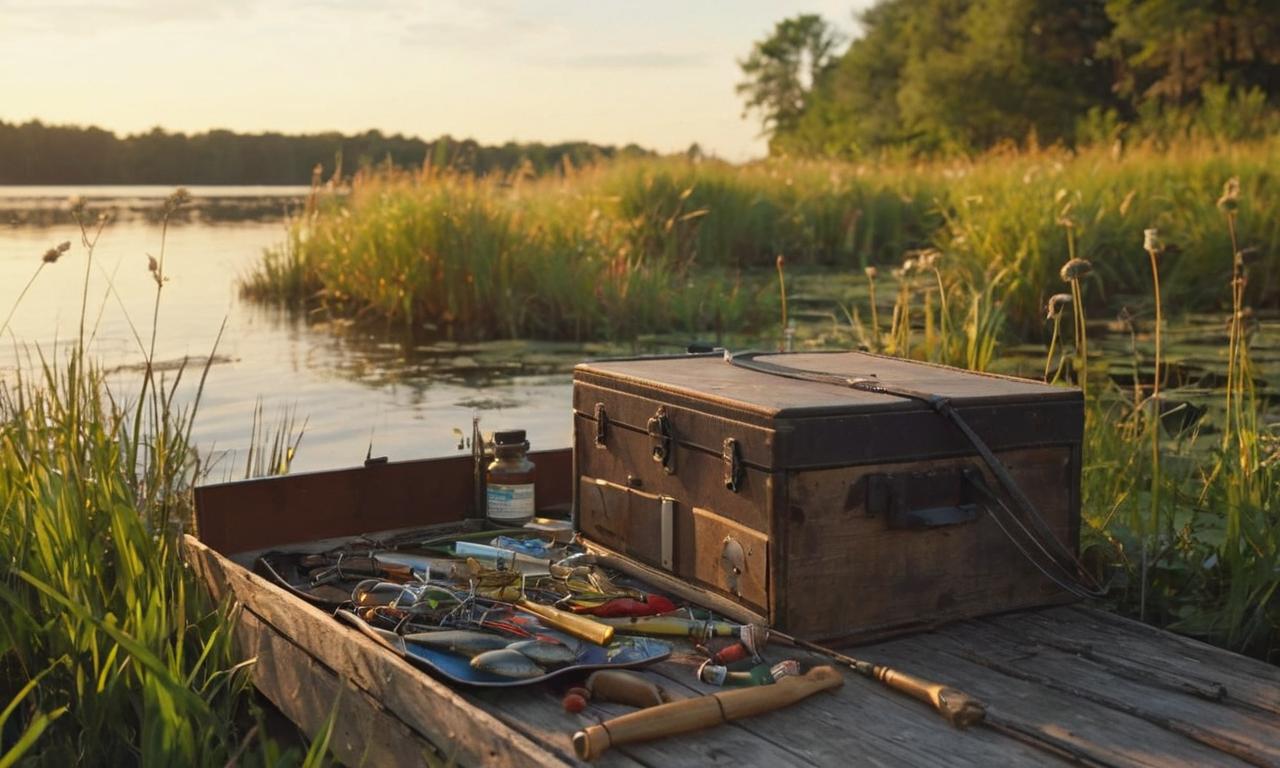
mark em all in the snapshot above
pixel 957 707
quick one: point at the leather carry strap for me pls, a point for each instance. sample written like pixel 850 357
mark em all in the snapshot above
pixel 1074 577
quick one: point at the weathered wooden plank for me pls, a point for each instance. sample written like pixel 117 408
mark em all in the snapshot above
pixel 536 712
pixel 1248 681
pixel 862 722
pixel 1248 735
pixel 442 715
pixel 306 692
pixel 1103 735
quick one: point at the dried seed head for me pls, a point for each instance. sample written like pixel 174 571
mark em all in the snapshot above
pixel 781 262
pixel 1075 269
pixel 928 258
pixel 1151 242
pixel 1064 217
pixel 908 267
pixel 1230 200
pixel 152 265
pixel 872 273
pixel 51 256
pixel 178 198
pixel 1057 303
pixel 75 204
pixel 64 246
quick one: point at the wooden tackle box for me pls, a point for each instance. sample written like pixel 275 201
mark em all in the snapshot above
pixel 823 509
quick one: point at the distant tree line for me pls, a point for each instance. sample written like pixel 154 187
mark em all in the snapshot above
pixel 36 153
pixel 960 75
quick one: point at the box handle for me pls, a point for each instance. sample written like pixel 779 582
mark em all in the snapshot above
pixel 663 451
pixel 922 500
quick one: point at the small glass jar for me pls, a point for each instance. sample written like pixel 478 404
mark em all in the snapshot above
pixel 509 498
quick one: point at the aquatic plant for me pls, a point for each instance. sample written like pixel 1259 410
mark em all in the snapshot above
pixel 1074 271
pixel 1053 312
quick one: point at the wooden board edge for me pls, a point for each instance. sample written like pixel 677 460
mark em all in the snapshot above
pixel 441 715
pixel 307 693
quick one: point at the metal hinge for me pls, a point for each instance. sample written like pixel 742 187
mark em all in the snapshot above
pixel 602 425
pixel 732 464
pixel 663 451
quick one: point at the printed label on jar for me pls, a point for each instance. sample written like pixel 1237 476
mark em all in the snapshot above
pixel 510 502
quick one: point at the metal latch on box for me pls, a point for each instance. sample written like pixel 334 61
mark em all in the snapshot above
pixel 732 464
pixel 663 451
pixel 602 425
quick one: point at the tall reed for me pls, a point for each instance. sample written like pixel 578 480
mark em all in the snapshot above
pixel 609 250
pixel 110 652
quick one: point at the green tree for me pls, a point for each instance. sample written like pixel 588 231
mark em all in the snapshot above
pixel 1169 50
pixel 954 75
pixel 782 70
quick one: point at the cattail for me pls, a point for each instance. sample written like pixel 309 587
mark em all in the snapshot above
pixel 782 290
pixel 1073 272
pixel 1230 200
pixel 1152 245
pixel 1151 241
pixel 52 255
pixel 1075 269
pixel 1057 303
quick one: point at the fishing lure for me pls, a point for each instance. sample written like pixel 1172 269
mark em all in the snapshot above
pixel 507 663
pixel 652 605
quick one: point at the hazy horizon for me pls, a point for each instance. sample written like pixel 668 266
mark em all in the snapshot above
pixel 660 75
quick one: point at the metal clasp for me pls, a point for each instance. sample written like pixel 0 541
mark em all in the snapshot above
pixel 602 425
pixel 732 464
pixel 659 428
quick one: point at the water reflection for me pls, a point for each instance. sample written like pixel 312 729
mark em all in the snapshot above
pixel 354 385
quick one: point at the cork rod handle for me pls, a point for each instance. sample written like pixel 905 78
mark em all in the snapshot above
pixel 701 712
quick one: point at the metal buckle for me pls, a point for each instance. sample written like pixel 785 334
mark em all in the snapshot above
pixel 659 428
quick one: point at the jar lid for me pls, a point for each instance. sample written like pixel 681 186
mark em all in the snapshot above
pixel 509 437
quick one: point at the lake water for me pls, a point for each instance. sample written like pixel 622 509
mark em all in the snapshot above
pixel 354 385
pixel 351 386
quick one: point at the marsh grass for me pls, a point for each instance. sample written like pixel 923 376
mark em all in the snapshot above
pixel 1181 524
pixel 111 652
pixel 470 258
pixel 631 247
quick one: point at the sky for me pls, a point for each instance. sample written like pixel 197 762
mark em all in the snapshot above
pixel 655 72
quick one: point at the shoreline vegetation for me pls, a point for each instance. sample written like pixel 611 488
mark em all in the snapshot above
pixel 44 154
pixel 613 249
pixel 111 652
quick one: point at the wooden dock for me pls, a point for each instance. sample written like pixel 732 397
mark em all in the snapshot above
pixel 1062 685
